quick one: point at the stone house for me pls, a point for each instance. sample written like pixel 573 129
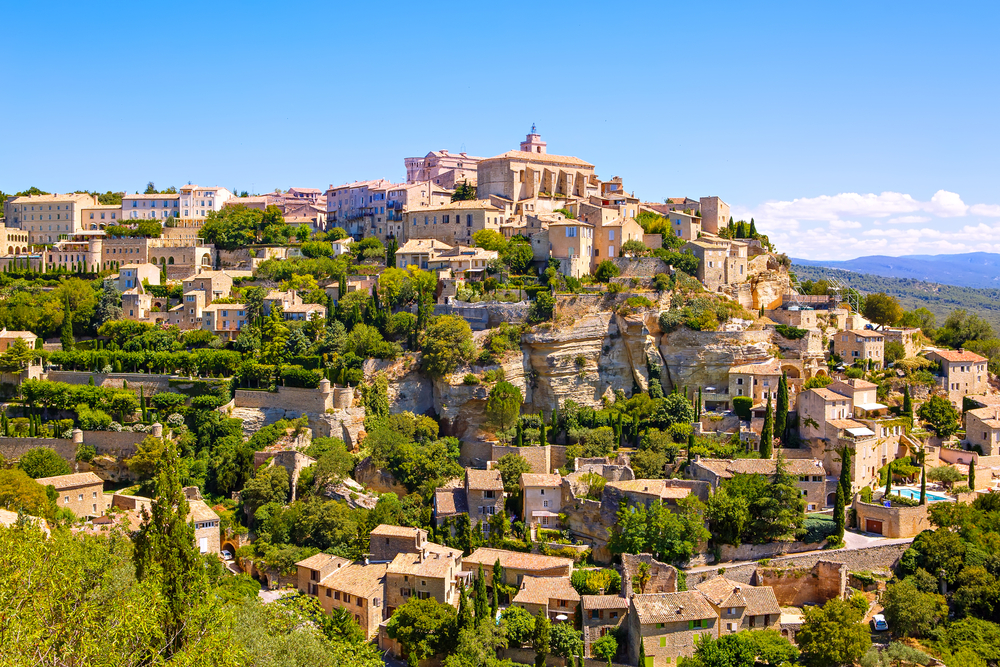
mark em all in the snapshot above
pixel 572 241
pixel 757 380
pixel 188 313
pixel 388 541
pixel 482 496
pixel 359 588
pixel 859 345
pixel 982 428
pixel 214 285
pixel 715 214
pixel 667 625
pixel 225 320
pixel 742 606
pixel 817 488
pixel 904 337
pixel 207 530
pixel 132 275
pixel 685 225
pixel 541 496
pixel 431 572
pixel 311 571
pixel 648 491
pixel 82 493
pixel 419 252
pixel 601 614
pixel 553 596
pixel 136 303
pixel 454 223
pixel 7 339
pixel 517 565
pixel 962 373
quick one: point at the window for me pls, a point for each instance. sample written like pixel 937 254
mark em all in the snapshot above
pixel 329 593
pixel 663 640
pixel 545 503
pixel 347 597
pixel 611 235
pixel 336 595
pixel 571 232
pixel 80 498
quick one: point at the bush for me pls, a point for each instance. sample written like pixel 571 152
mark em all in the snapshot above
pixel 742 406
pixel 817 382
pixel 605 271
pixel 791 333
pixel 900 501
pixel 638 302
pixel 297 376
pixel 470 379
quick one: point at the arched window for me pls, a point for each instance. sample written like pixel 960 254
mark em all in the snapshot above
pixel 170 261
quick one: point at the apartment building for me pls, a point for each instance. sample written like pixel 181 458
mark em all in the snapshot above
pixel 82 493
pixel 962 373
pixel 442 168
pixel 150 207
pixel 453 223
pixel 99 216
pixel 860 345
pixel 197 201
pixel 347 204
pixel 47 218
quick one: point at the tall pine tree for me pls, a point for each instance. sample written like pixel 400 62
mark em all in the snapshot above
pixel 480 603
pixel 907 404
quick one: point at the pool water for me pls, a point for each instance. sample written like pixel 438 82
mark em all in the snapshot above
pixel 914 494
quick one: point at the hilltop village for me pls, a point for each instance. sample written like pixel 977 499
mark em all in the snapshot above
pixel 505 412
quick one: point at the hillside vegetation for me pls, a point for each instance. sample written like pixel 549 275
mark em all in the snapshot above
pixel 912 294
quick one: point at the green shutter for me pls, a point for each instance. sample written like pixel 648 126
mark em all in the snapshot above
pixel 690 625
pixel 649 661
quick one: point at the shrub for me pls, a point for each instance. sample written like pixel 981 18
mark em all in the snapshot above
pixel 742 406
pixel 817 382
pixel 470 379
pixel 605 271
pixel 791 333
pixel 900 501
pixel 638 302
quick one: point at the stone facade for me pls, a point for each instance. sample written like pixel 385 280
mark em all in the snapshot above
pixel 962 373
pixel 82 493
pixel 891 522
pixel 860 345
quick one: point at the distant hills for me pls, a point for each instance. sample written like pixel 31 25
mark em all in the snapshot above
pixel 972 269
pixel 912 294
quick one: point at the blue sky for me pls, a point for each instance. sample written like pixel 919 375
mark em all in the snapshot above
pixel 844 128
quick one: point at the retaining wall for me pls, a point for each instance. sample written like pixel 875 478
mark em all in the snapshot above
pixel 151 383
pixel 315 401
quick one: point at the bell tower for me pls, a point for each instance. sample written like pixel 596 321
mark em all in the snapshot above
pixel 533 142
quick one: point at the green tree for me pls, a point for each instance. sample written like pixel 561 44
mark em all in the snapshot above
pixel 833 634
pixel 781 410
pixel 20 493
pixel 910 611
pixel 447 342
pixel 564 640
pixel 881 309
pixel 728 516
pixel 489 239
pixel 511 466
pixel 520 625
pixel 940 415
pixel 543 307
pixel 605 648
pixel 540 638
pixel 503 405
pixel 961 327
pixel 605 271
pixel 109 303
pixel 166 556
pixel 946 475
pixel 424 628
pixel 464 191
pixel 479 596
pixel 43 462
pixel 972 474
pixel 907 403
pixel 767 432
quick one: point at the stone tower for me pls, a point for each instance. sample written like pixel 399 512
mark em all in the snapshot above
pixel 533 142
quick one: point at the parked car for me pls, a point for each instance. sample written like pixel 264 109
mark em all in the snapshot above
pixel 226 555
pixel 879 624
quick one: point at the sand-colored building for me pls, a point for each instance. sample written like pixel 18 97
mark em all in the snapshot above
pixel 82 493
pixel 962 373
pixel 860 345
pixel 47 218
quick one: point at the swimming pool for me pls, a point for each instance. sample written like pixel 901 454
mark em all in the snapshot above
pixel 914 494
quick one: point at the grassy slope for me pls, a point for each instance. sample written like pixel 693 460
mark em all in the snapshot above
pixel 912 294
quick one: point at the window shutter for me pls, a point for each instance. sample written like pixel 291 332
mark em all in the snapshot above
pixel 690 625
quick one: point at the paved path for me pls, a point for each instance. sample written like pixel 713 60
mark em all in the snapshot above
pixel 852 540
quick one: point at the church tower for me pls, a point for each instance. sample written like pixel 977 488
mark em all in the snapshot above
pixel 533 142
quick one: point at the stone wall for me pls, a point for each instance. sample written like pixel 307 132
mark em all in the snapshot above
pixel 894 521
pixel 486 315
pixel 315 401
pixel 729 553
pixel 798 586
pixel 662 577
pixel 151 383
pixel 583 518
pixel 13 448
pixel 539 458
pixel 581 305
pixel 640 267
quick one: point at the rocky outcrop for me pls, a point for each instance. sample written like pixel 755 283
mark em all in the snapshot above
pixel 768 281
pixel 409 389
pixel 703 358
pixel 351 493
pixel 640 345
pixel 377 479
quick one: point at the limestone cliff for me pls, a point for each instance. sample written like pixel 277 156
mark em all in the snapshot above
pixel 703 358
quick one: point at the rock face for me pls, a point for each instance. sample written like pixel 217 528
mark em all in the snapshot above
pixel 378 480
pixel 348 425
pixel 703 358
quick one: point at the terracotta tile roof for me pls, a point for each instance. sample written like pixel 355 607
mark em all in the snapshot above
pixel 539 479
pixel 845 423
pixel 472 204
pixel 769 367
pixel 71 481
pixel 515 559
pixel 723 592
pixel 320 560
pixel 434 563
pixel 655 487
pixel 858 383
pixel 540 157
pixel 959 355
pixel 828 394
pixel 483 480
pixel 358 579
pixel 539 590
pixel 385 530
pixel 200 511
pixel 728 468
pixel 867 333
pixel 672 607
pixel 450 501
pixel 34 199
pixel 603 602
pixel 423 245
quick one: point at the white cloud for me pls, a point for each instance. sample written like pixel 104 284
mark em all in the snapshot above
pixel 844 224
pixel 988 210
pixel 905 220
pixel 946 205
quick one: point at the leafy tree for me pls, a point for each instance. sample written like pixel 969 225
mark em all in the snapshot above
pixel 817 382
pixel 489 239
pixel 881 309
pixel 946 475
pixel 672 536
pixel 542 308
pixel 564 640
pixel 511 466
pixel 940 415
pixel 833 634
pixel 634 248
pixel 961 327
pixel 43 462
pixel 519 623
pixel 447 342
pixel 503 405
pixel 540 638
pixel 728 515
pixel 605 648
pixel 742 406
pixel 464 191
pixel 270 485
pixel 478 647
pixel 605 271
pixel 517 255
pixel 894 351
pixel 424 628
pixel 165 554
pixel 21 493
pixel 911 612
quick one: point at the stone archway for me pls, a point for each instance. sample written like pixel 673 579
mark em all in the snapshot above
pixel 793 371
pixel 831 499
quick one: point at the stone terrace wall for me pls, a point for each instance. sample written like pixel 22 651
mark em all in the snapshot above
pixel 287 398
pixel 112 443
pixel 642 267
pixel 539 458
pixel 151 383
pixel 109 443
pixel 13 448
pixel 801 586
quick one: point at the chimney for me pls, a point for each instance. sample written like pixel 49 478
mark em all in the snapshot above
pixel 600 591
pixel 420 556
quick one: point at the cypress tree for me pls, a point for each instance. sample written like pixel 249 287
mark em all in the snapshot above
pixel 555 422
pixel 781 410
pixel 838 513
pixel 972 474
pixel 464 613
pixel 697 408
pixel 642 653
pixel 540 638
pixel 923 478
pixel 888 479
pixel 767 432
pixel 753 229
pixel 845 472
pixel 519 438
pixel 495 602
pixel 541 428
pixel 481 605
pixel 907 404
pixel 690 445
pixel 66 332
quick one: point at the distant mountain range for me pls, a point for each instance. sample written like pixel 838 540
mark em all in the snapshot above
pixel 973 269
